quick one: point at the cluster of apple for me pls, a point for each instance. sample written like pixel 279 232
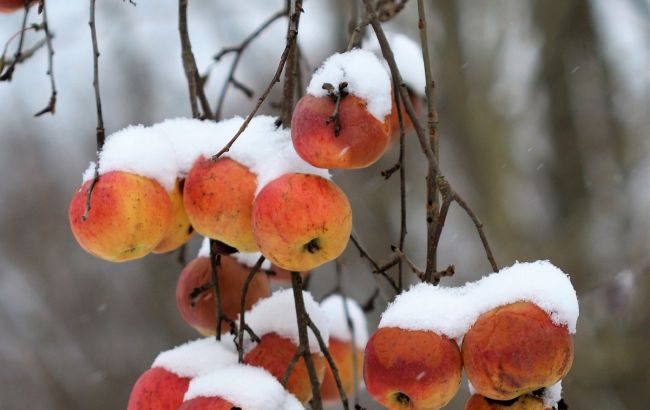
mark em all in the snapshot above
pixel 515 330
pixel 205 373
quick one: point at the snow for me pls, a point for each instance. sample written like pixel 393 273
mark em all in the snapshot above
pixel 408 56
pixel 138 150
pixel 168 150
pixel 452 311
pixel 245 258
pixel 366 77
pixel 338 325
pixel 196 358
pixel 552 395
pixel 277 314
pixel 248 387
pixel 264 148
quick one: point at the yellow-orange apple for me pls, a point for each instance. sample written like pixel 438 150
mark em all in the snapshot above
pixel 274 354
pixel 407 369
pixel 201 314
pixel 527 402
pixel 180 230
pixel 516 349
pixel 362 138
pixel 301 221
pixel 129 215
pixel 218 198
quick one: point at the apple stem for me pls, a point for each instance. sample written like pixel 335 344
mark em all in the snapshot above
pixel 336 96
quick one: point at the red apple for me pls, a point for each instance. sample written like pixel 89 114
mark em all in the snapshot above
pixel 218 198
pixel 158 389
pixel 232 275
pixel 405 369
pixel 516 349
pixel 8 6
pixel 362 139
pixel 301 221
pixel 180 230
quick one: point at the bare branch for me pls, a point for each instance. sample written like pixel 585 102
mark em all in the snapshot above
pixel 242 307
pixel 376 268
pixel 51 105
pixel 292 34
pixel 9 72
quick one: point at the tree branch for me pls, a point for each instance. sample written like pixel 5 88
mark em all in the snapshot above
pixel 242 307
pixel 51 105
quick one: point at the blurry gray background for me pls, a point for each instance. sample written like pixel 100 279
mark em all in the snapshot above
pixel 544 111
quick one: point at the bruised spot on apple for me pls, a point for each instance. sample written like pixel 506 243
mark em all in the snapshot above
pixel 274 353
pixel 218 198
pixel 301 221
pixel 362 139
pixel 181 229
pixel 200 313
pixel 516 349
pixel 526 402
pixel 8 6
pixel 342 353
pixel 406 369
pixel 158 389
pixel 129 215
pixel 207 403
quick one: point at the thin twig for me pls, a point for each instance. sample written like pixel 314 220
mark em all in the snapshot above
pixel 194 81
pixel 51 105
pixel 376 268
pixel 9 72
pixel 100 133
pixel 238 51
pixel 350 324
pixel 303 319
pixel 242 307
pixel 292 364
pixel 292 34
pixel 479 228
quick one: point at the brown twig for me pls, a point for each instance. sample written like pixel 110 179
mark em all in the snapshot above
pixel 292 364
pixel 215 261
pixel 350 324
pixel 51 105
pixel 242 307
pixel 376 268
pixel 9 72
pixel 337 95
pixel 292 34
pixel 303 320
pixel 194 81
pixel 239 51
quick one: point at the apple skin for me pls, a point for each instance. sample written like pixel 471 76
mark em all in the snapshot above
pixel 232 275
pixel 515 349
pixel 180 230
pixel 207 403
pixel 301 221
pixel 129 215
pixel 527 402
pixel 406 369
pixel 274 353
pixel 8 6
pixel 362 139
pixel 341 352
pixel 218 198
pixel 158 389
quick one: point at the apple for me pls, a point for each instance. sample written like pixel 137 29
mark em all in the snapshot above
pixel 129 216
pixel 180 230
pixel 516 349
pixel 8 6
pixel 301 221
pixel 232 274
pixel 341 352
pixel 274 354
pixel 361 141
pixel 158 389
pixel 407 369
pixel 218 198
